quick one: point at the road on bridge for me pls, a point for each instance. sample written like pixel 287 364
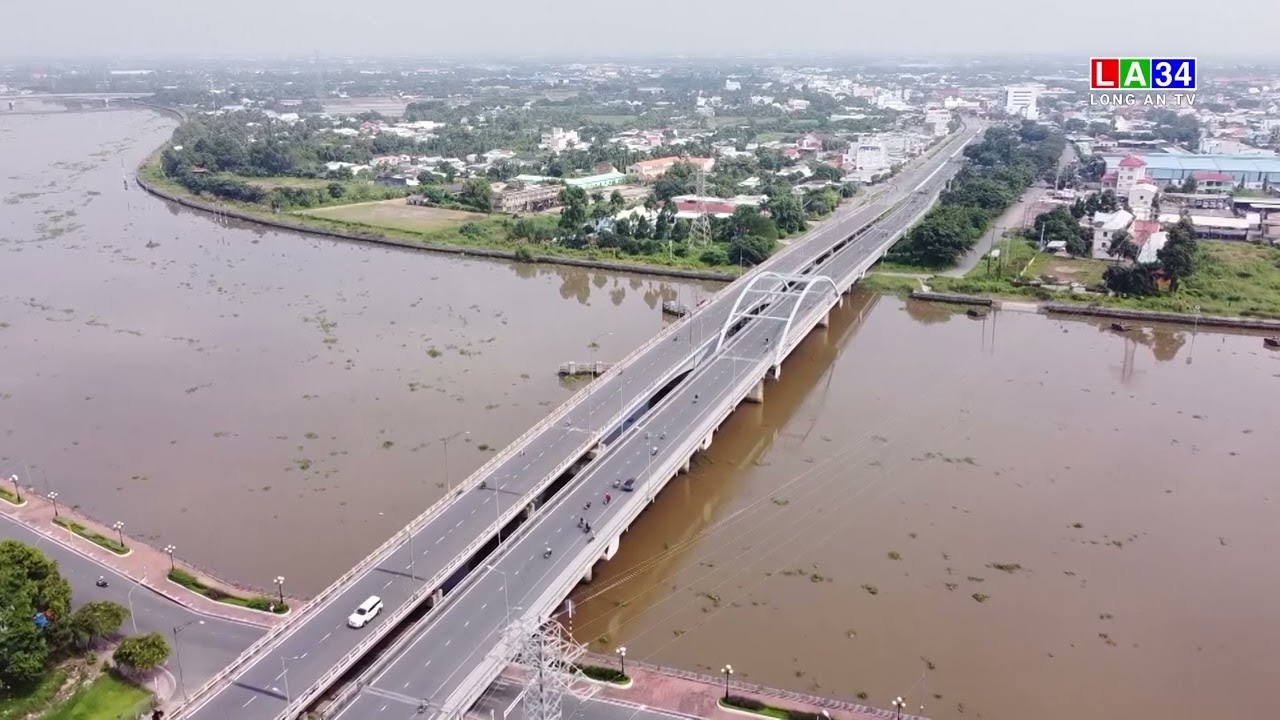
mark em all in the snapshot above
pixel 437 665
pixel 310 646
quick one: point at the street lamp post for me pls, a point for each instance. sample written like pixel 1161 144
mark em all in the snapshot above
pixel 118 526
pixel 445 441
pixel 16 490
pixel 622 660
pixel 177 653
pixel 169 550
pixel 727 670
pixel 53 496
pixel 284 673
pixel 506 598
pixel 898 705
pixel 280 588
pixel 591 388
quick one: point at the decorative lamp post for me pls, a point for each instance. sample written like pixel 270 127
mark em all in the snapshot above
pixel 53 496
pixel 280 588
pixel 622 660
pixel 727 670
pixel 16 490
pixel 898 705
pixel 118 526
pixel 169 550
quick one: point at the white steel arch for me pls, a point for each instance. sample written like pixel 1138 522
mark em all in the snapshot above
pixel 779 289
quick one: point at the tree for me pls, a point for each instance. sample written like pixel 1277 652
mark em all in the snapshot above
pixel 1189 185
pixel 1135 280
pixel 1093 168
pixel 1122 246
pixel 476 193
pixel 1178 256
pixel 617 202
pixel 140 653
pixel 574 214
pixel 751 250
pixel 336 190
pixel 787 213
pixel 30 585
pixel 97 619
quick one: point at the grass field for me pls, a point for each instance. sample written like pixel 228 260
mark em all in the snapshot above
pixel 271 183
pixel 13 707
pixel 107 698
pixel 396 214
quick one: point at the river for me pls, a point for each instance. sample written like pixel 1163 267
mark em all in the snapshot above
pixel 268 402
pixel 1016 517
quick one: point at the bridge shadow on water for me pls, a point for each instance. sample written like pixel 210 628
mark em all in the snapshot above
pixel 660 539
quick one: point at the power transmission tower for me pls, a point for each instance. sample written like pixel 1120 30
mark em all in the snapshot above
pixel 550 660
pixel 700 231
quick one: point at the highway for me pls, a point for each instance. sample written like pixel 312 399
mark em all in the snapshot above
pixel 318 640
pixel 206 646
pixel 457 638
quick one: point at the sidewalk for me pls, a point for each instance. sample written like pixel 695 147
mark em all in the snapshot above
pixel 697 695
pixel 144 564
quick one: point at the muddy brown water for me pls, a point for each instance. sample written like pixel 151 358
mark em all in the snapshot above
pixel 1017 517
pixel 1110 498
pixel 270 403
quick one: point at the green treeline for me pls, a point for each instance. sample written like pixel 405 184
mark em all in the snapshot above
pixel 1000 168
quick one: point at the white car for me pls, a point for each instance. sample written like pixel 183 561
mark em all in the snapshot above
pixel 366 612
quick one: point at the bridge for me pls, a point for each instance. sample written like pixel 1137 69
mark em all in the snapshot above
pixel 643 418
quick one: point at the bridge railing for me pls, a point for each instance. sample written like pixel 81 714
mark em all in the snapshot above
pixel 489 667
pixel 379 554
pixel 727 400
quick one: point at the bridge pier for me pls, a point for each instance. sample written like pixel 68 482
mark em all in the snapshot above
pixel 688 462
pixel 825 320
pixel 757 393
pixel 437 597
pixel 706 442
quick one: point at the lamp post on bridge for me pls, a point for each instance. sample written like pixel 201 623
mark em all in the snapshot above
pixel 594 345
pixel 727 670
pixel 445 441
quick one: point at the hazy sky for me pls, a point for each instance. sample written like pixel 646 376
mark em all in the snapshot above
pixel 567 28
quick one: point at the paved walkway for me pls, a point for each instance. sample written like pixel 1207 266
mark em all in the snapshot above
pixel 697 695
pixel 144 564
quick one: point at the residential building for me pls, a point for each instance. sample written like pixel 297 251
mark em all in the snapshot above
pixel 870 160
pixel 1020 100
pixel 1209 181
pixel 1129 172
pixel 1141 197
pixel 1105 226
pixel 529 198
pixel 650 170
pixel 559 140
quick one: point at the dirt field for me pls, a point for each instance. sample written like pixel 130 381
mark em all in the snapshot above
pixel 396 214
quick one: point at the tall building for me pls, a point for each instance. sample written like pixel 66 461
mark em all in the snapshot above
pixel 1020 100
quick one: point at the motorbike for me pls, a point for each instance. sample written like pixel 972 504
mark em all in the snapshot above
pixel 546 553
pixel 102 582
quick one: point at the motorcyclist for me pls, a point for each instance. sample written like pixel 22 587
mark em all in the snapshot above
pixel 102 581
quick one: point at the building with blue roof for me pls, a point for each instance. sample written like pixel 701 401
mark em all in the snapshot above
pixel 1252 170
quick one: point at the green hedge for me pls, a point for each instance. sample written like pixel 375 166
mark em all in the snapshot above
pixel 604 674
pixel 751 704
pixel 8 495
pixel 96 538
pixel 259 602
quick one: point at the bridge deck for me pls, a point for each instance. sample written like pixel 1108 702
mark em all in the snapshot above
pixel 415 562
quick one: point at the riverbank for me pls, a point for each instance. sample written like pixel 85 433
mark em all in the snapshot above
pixel 1062 308
pixel 143 563
pixel 298 224
pixel 699 695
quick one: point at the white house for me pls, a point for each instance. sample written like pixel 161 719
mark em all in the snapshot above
pixel 1105 226
pixel 1141 197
